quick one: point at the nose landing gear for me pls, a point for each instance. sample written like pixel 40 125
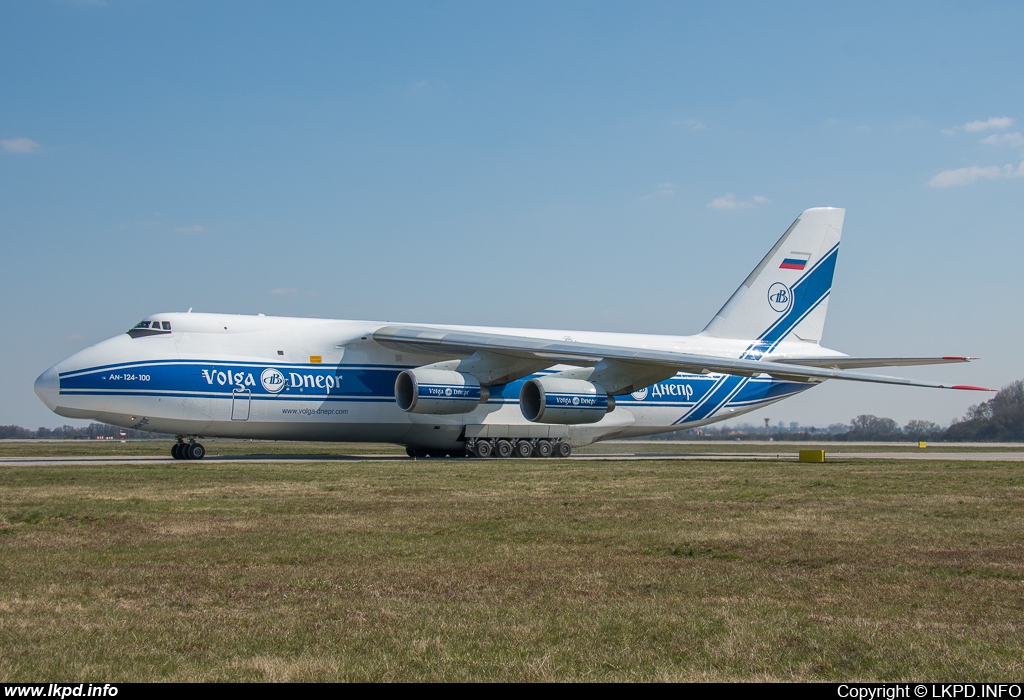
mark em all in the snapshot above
pixel 188 450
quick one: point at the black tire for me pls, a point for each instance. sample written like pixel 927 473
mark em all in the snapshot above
pixel 543 449
pixel 176 450
pixel 196 451
pixel 483 449
pixel 503 449
pixel 524 449
pixel 563 449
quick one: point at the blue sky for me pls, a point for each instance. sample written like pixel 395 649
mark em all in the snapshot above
pixel 605 166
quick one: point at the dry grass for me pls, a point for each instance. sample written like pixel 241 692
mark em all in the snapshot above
pixel 513 570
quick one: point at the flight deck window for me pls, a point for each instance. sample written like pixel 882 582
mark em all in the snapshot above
pixel 148 328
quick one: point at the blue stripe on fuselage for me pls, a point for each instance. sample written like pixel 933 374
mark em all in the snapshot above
pixel 220 378
pixel 698 396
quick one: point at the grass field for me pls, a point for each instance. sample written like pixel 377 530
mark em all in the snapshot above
pixel 512 570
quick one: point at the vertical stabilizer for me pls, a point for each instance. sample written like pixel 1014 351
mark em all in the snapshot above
pixel 787 293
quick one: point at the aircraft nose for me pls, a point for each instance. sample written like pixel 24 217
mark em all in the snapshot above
pixel 47 387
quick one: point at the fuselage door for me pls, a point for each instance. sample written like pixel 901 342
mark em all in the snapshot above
pixel 240 401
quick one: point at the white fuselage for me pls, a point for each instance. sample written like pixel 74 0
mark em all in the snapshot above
pixel 315 379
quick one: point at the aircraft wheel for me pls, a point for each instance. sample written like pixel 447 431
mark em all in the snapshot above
pixel 195 451
pixel 176 450
pixel 483 448
pixel 503 449
pixel 524 449
pixel 563 449
pixel 543 449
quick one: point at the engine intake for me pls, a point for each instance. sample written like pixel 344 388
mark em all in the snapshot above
pixel 438 391
pixel 564 401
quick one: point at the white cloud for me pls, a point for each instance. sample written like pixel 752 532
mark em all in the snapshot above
pixel 1010 140
pixel 729 201
pixel 956 177
pixel 195 228
pixel 965 176
pixel 19 145
pixel 993 123
pixel 665 189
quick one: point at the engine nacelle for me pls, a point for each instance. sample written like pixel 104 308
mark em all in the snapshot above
pixel 564 401
pixel 438 391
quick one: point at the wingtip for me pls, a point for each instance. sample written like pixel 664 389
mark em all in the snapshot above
pixel 967 387
pixel 958 358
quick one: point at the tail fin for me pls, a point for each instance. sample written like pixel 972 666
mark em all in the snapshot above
pixel 787 293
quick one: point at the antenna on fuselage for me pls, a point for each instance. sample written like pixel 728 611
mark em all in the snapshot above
pixel 189 310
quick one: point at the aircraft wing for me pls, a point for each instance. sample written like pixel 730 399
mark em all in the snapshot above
pixel 460 343
pixel 841 362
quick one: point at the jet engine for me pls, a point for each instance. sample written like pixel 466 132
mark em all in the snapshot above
pixel 438 391
pixel 564 401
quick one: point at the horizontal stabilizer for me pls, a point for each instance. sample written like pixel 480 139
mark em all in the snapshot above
pixel 841 362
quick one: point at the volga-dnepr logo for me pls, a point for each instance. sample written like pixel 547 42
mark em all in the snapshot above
pixel 780 298
pixel 272 380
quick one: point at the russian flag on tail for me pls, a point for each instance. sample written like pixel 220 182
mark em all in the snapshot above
pixel 795 261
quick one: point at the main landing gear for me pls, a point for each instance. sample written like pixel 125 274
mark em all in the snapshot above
pixel 504 448
pixel 519 448
pixel 188 450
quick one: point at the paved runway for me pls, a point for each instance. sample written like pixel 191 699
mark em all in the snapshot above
pixel 688 456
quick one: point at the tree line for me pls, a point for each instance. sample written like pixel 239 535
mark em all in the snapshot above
pixel 69 432
pixel 1000 419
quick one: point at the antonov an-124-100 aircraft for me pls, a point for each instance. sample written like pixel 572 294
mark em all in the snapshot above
pixel 467 390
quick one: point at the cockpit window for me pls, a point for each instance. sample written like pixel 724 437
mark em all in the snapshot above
pixel 147 328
